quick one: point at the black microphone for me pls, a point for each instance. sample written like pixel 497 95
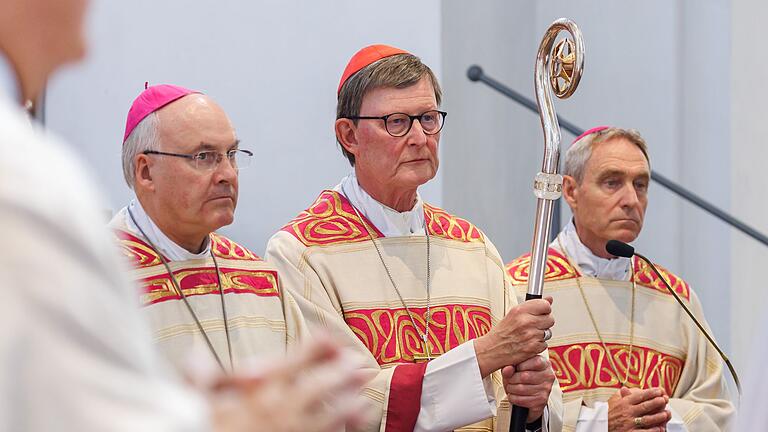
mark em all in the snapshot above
pixel 621 249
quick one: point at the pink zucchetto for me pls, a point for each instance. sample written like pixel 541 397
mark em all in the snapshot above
pixel 590 132
pixel 150 100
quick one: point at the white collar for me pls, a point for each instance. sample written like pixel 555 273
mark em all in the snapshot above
pixel 390 222
pixel 167 247
pixel 589 263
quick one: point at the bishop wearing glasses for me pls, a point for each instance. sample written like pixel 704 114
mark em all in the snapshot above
pixel 418 292
pixel 202 292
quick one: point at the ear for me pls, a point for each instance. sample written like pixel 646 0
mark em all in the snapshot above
pixel 570 191
pixel 346 134
pixel 143 173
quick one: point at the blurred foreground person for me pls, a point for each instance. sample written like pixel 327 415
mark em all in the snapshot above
pixel 74 354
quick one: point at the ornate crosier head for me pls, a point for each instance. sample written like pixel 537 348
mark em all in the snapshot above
pixel 558 71
pixel 562 69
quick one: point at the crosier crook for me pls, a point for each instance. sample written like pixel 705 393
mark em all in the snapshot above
pixel 558 70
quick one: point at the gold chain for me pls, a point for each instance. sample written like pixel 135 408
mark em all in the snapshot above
pixel 176 285
pixel 428 318
pixel 594 322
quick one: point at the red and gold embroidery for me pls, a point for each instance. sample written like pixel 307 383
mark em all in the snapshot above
pixel 442 224
pixel 141 254
pixel 646 277
pixel 390 336
pixel 585 366
pixel 558 268
pixel 227 249
pixel 138 252
pixel 330 219
pixel 199 280
pixel 202 281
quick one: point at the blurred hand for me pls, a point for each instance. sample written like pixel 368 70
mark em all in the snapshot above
pixel 528 385
pixel 516 338
pixel 312 390
pixel 648 405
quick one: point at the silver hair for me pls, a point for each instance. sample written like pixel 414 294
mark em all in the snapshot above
pixel 578 154
pixel 145 136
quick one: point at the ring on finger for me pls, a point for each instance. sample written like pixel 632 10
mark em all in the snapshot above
pixel 547 334
pixel 639 422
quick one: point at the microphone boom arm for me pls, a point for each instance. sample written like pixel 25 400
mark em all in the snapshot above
pixel 695 321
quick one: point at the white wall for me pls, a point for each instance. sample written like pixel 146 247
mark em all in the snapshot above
pixel 273 65
pixel 749 152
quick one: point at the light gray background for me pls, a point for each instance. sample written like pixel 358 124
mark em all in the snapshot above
pixel 682 72
pixel 274 66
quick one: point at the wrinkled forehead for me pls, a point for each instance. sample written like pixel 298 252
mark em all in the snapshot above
pixel 617 155
pixel 416 96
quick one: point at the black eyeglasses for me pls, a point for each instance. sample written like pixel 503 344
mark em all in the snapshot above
pixel 399 124
pixel 209 160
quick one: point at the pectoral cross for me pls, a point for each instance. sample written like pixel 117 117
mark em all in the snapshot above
pixel 418 358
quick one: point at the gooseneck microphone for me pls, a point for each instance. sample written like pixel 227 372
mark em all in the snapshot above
pixel 621 249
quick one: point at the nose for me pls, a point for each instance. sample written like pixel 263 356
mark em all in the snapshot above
pixel 225 171
pixel 629 197
pixel 416 135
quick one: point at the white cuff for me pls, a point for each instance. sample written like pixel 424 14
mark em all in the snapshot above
pixel 453 394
